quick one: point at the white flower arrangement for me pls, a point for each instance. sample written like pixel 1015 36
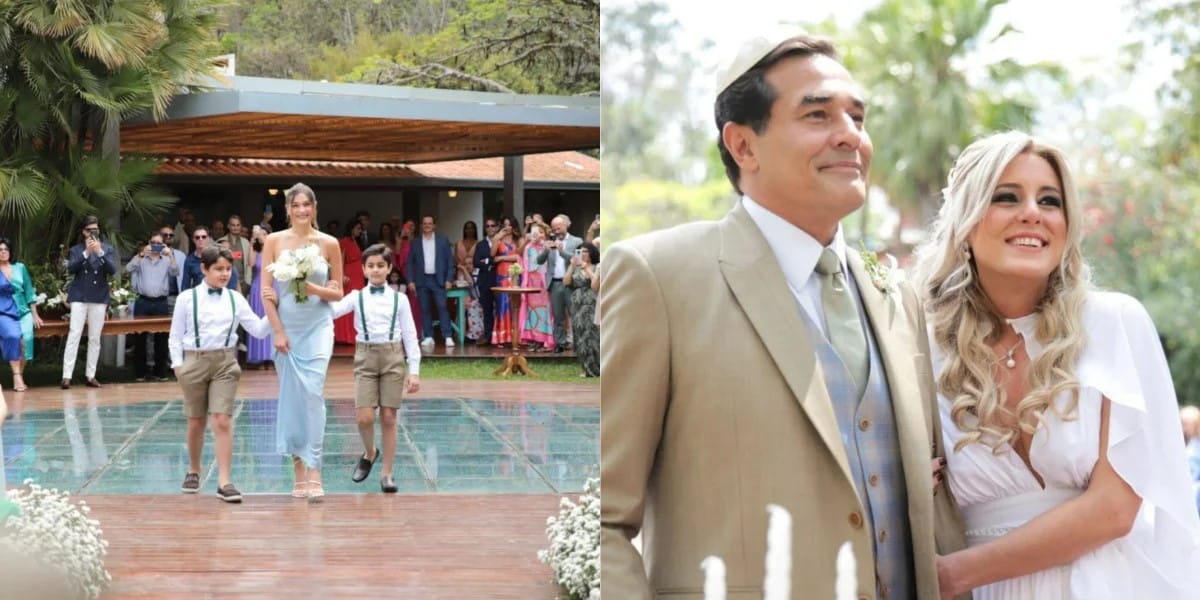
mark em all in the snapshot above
pixel 294 267
pixel 55 302
pixel 120 298
pixel 574 551
pixel 44 525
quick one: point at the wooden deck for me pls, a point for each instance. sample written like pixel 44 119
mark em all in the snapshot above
pixel 353 545
pixel 368 546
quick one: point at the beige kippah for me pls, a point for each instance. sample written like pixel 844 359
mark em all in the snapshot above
pixel 751 51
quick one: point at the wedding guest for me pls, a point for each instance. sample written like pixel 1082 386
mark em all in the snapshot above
pixel 155 268
pixel 90 263
pixel 24 299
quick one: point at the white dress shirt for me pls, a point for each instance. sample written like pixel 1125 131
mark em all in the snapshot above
pixel 215 319
pixel 429 248
pixel 381 328
pixel 797 253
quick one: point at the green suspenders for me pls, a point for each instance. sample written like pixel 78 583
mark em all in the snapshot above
pixel 196 318
pixel 362 315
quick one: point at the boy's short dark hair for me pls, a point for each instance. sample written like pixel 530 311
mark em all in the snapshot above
pixel 380 250
pixel 213 252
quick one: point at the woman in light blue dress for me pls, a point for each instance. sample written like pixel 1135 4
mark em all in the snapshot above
pixel 303 338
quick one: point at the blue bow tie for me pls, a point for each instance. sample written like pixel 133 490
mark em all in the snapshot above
pixel 214 291
pixel 378 290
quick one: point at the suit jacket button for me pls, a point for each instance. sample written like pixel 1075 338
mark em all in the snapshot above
pixel 873 480
pixel 856 520
pixel 864 424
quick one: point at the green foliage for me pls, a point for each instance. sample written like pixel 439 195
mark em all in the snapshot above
pixel 69 73
pixel 911 56
pixel 522 46
pixel 643 205
pixel 1143 242
pixel 647 78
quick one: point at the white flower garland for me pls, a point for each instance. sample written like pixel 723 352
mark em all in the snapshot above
pixel 574 550
pixel 58 534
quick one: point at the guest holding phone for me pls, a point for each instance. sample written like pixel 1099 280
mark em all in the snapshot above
pixel 154 267
pixel 91 263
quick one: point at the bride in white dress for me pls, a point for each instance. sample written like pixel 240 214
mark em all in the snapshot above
pixel 1064 451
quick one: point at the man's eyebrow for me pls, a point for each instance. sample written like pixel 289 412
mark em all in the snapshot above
pixel 826 99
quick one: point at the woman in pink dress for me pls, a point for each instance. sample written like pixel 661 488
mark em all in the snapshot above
pixel 536 326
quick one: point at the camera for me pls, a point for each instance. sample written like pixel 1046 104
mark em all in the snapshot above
pixel 156 248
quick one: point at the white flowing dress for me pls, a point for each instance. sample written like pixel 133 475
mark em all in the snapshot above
pixel 1124 362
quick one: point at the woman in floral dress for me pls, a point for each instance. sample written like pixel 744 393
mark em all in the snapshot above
pixel 536 326
pixel 582 308
pixel 505 252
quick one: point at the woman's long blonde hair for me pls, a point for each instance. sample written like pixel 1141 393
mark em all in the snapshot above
pixel 963 318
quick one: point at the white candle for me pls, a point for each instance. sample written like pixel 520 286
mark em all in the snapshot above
pixel 714 578
pixel 847 581
pixel 777 585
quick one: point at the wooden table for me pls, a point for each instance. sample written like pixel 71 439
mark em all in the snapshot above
pixel 515 362
pixel 459 296
pixel 112 326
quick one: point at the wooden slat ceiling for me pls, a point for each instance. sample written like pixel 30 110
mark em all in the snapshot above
pixel 310 137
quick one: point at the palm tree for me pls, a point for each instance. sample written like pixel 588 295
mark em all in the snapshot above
pixel 70 71
pixel 910 55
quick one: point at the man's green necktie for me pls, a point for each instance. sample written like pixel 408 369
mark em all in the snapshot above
pixel 841 318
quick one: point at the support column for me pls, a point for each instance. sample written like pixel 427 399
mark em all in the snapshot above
pixel 514 187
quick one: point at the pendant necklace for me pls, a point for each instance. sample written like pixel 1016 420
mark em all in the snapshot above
pixel 1012 362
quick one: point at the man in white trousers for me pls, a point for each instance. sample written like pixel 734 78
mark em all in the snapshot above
pixel 91 262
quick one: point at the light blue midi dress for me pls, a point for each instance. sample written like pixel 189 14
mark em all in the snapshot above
pixel 300 426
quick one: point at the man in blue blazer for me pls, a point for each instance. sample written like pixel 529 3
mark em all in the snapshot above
pixel 90 263
pixel 485 278
pixel 430 274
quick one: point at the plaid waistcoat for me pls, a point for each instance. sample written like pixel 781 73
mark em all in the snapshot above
pixel 868 428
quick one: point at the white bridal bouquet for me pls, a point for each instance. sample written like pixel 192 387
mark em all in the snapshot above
pixel 294 267
pixel 60 543
pixel 574 550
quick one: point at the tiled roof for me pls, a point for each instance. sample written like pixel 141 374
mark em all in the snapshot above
pixel 260 167
pixel 554 166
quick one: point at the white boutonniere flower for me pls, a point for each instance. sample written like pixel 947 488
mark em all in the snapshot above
pixel 883 274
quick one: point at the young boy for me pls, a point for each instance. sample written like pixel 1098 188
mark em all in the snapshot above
pixel 381 317
pixel 203 346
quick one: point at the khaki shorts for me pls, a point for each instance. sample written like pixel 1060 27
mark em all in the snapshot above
pixel 379 375
pixel 209 379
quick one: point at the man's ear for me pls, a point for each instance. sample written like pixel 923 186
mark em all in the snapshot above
pixel 740 141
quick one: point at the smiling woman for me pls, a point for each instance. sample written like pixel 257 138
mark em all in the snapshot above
pixel 1067 462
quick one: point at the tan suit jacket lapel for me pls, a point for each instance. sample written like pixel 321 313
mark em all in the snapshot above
pixel 758 284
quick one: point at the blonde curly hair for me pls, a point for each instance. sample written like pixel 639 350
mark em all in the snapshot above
pixel 963 318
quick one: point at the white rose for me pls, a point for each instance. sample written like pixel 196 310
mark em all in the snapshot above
pixel 285 272
pixel 310 251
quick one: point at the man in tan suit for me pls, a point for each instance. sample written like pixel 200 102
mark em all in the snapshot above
pixel 743 368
